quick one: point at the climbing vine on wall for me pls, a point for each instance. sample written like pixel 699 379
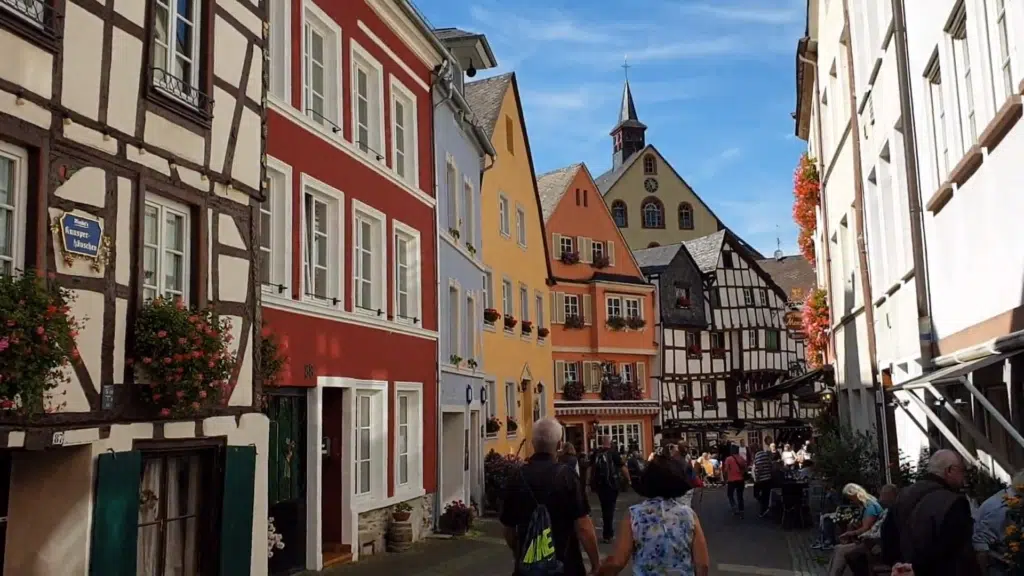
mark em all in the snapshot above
pixel 806 194
pixel 816 326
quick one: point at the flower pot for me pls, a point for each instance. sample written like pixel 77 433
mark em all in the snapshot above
pixel 400 516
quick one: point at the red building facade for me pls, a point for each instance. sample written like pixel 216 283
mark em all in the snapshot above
pixel 349 274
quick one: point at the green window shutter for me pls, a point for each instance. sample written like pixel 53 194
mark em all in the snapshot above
pixel 115 516
pixel 236 511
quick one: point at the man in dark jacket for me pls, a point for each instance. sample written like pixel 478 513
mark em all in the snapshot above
pixel 930 526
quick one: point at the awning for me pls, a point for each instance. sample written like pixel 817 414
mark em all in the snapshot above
pixel 952 374
pixel 794 385
pixel 607 407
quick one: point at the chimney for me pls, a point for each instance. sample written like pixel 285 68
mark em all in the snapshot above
pixel 778 255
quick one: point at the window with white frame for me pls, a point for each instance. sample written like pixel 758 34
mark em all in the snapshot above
pixel 364 443
pixel 1002 67
pixel 937 110
pixel 752 338
pixel 524 303
pixel 511 403
pixel 177 50
pixel 13 204
pixel 280 48
pixel 404 436
pixel 488 289
pixel 368 256
pixel 453 323
pixel 521 225
pixel 613 307
pixel 165 249
pixel 492 400
pixel 275 220
pixel 762 297
pixel 633 309
pixel 403 133
pixel 539 302
pixel 321 234
pixel 468 227
pixel 452 186
pixel 572 305
pixel 748 297
pixel 571 372
pixel 367 115
pixel 628 372
pixel 596 251
pixel 963 88
pixel 321 39
pixel 565 245
pixel 407 273
pixel 625 436
pixel 507 305
pixel 469 347
pixel 504 226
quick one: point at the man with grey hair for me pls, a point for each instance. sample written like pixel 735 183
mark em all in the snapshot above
pixel 542 481
pixel 930 526
pixel 990 527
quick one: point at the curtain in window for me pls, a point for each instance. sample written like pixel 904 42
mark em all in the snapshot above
pixel 149 518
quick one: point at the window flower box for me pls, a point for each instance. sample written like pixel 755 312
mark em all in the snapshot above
pixel 455 359
pixel 686 404
pixel 454 233
pixel 471 248
pixel 682 302
pixel 616 322
pixel 572 391
pixel 570 258
pixel 600 262
pixel 708 400
pixel 635 323
pixel 510 322
pixel 718 352
pixel 574 322
pixel 543 332
pixel 472 364
pixel 511 425
pixel 693 351
pixel 491 315
pixel 526 327
pixel 620 391
pixel 493 425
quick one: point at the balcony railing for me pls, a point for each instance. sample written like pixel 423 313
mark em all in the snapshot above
pixel 38 14
pixel 178 89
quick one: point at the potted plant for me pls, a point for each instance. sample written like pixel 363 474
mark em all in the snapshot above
pixel 183 355
pixel 454 232
pixel 491 315
pixel 497 470
pixel 573 390
pixel 401 512
pixel 685 404
pixel 570 257
pixel 471 248
pixel 472 363
pixel 635 323
pixel 527 327
pixel 456 518
pixel 511 425
pixel 574 321
pixel 708 400
pixel 693 350
pixel 493 425
pixel 600 261
pixel 718 352
pixel 543 332
pixel 615 322
pixel 455 359
pixel 510 322
pixel 682 302
pixel 37 341
pixel 275 540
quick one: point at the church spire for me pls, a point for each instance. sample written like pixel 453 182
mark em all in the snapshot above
pixel 628 133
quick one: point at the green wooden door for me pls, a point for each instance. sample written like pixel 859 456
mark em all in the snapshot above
pixel 236 511
pixel 115 516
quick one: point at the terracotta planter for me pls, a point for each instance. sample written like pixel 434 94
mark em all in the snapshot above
pixel 400 516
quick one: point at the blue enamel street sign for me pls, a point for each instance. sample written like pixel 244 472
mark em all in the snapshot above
pixel 82 235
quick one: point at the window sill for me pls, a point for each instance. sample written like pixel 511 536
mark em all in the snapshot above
pixel 489 327
pixel 526 337
pixel 367 502
pixel 328 312
pixel 461 249
pixel 459 370
pixel 43 36
pixel 200 117
pixel 541 341
pixel 338 141
pixel 491 436
pixel 509 332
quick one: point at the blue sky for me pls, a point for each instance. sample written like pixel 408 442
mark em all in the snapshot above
pixel 712 79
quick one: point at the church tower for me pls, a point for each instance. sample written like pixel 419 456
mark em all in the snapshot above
pixel 628 134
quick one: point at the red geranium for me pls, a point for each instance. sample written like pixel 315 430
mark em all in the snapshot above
pixel 806 196
pixel 817 323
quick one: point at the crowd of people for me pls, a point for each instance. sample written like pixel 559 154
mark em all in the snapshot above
pixel 926 529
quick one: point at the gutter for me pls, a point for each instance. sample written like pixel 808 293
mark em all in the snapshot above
pixel 862 248
pixel 437 305
pixel 924 320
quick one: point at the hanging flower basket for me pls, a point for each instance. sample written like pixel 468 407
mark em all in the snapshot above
pixel 491 315
pixel 37 341
pixel 570 257
pixel 573 390
pixel 184 356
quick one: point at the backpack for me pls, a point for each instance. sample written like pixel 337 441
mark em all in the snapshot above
pixel 604 471
pixel 536 556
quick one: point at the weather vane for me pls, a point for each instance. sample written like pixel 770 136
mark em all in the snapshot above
pixel 625 66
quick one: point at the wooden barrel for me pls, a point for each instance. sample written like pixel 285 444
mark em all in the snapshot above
pixel 399 536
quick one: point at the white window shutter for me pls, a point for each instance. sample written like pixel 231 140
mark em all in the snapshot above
pixel 556 242
pixel 579 246
pixel 641 375
pixel 553 297
pixel 587 375
pixel 559 315
pixel 559 376
pixel 586 250
pixel 609 250
pixel 587 313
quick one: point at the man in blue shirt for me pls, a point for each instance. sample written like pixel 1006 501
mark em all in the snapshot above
pixel 990 526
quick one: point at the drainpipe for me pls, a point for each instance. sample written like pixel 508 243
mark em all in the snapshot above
pixel 862 248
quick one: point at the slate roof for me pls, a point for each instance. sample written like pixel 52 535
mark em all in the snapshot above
pixel 552 186
pixel 791 272
pixel 657 258
pixel 627 111
pixel 608 179
pixel 705 250
pixel 453 34
pixel 485 98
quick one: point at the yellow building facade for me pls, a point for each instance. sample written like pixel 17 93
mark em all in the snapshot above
pixel 517 360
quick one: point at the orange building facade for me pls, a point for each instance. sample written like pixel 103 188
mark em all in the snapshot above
pixel 602 312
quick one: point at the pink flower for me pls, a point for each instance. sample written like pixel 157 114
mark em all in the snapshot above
pixel 180 394
pixel 161 334
pixel 210 364
pixel 40 330
pixel 202 393
pixel 129 361
pixel 167 360
pixel 75 354
pixel 11 323
pixel 195 405
pixel 157 396
pixel 182 341
pixel 147 360
pixel 165 412
pixel 4 343
pixel 179 304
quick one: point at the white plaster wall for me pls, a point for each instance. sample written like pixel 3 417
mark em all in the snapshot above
pixel 83 58
pixel 175 138
pixel 26 65
pixel 124 81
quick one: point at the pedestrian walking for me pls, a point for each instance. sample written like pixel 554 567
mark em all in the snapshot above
pixel 735 472
pixel 930 527
pixel 568 457
pixel 763 478
pixel 546 508
pixel 607 469
pixel 661 535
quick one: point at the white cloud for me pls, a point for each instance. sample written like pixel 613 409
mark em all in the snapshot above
pixel 714 164
pixel 784 13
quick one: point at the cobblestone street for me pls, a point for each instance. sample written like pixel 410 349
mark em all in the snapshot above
pixel 749 546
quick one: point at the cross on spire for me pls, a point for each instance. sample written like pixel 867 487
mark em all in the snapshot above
pixel 625 66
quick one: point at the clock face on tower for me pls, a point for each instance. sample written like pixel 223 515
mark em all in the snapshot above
pixel 651 185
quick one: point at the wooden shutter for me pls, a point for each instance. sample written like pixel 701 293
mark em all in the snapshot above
pixel 559 376
pixel 553 297
pixel 556 247
pixel 115 515
pixel 236 510
pixel 641 375
pixel 588 376
pixel 586 311
pixel 609 250
pixel 586 250
pixel 579 247
pixel 559 315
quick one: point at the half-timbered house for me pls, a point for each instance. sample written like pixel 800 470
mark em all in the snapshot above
pixel 722 335
pixel 350 282
pixel 130 172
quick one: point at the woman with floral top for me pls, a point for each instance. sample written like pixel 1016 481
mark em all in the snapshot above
pixel 661 535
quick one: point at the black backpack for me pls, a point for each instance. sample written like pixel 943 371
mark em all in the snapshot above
pixel 536 556
pixel 604 470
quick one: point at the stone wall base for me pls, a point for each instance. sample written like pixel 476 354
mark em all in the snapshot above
pixel 373 524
